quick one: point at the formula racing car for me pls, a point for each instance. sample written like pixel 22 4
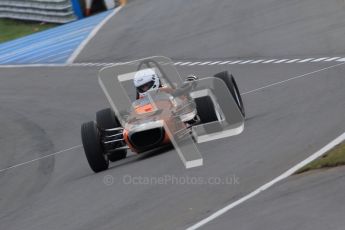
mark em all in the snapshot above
pixel 194 109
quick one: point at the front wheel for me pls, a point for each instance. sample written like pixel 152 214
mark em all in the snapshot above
pixel 92 147
pixel 106 119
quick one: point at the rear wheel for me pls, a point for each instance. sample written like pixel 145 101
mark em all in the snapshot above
pixel 106 119
pixel 205 109
pixel 207 113
pixel 230 82
pixel 92 147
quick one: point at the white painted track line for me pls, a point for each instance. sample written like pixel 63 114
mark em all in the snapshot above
pixel 40 158
pixel 191 63
pixel 306 60
pixel 185 63
pixel 224 62
pixel 281 177
pixel 264 187
pixel 194 63
pixel 205 63
pixel 320 59
pixel 281 61
pixel 258 61
pixel 293 78
pixel 214 63
pixel 292 61
pixel 332 59
pixel 75 54
pixel 235 62
pixel 269 61
pixel 245 62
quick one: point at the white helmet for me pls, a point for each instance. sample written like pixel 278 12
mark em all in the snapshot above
pixel 146 80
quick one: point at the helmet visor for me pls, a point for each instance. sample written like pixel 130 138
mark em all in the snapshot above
pixel 145 87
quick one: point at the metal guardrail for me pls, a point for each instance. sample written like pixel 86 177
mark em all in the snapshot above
pixel 56 11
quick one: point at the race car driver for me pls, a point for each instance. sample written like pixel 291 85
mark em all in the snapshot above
pixel 146 80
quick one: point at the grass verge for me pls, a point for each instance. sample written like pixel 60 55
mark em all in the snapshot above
pixel 11 29
pixel 335 157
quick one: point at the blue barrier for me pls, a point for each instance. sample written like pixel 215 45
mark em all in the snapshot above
pixel 77 9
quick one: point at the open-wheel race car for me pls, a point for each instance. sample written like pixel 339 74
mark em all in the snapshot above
pixel 178 112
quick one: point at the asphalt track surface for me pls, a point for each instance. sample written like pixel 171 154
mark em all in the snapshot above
pixel 311 201
pixel 207 29
pixel 42 109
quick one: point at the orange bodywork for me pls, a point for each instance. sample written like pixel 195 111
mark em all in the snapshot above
pixel 166 140
pixel 144 109
pixel 143 112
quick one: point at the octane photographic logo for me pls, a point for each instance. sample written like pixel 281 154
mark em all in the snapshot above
pixel 108 180
pixel 169 179
pixel 229 119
